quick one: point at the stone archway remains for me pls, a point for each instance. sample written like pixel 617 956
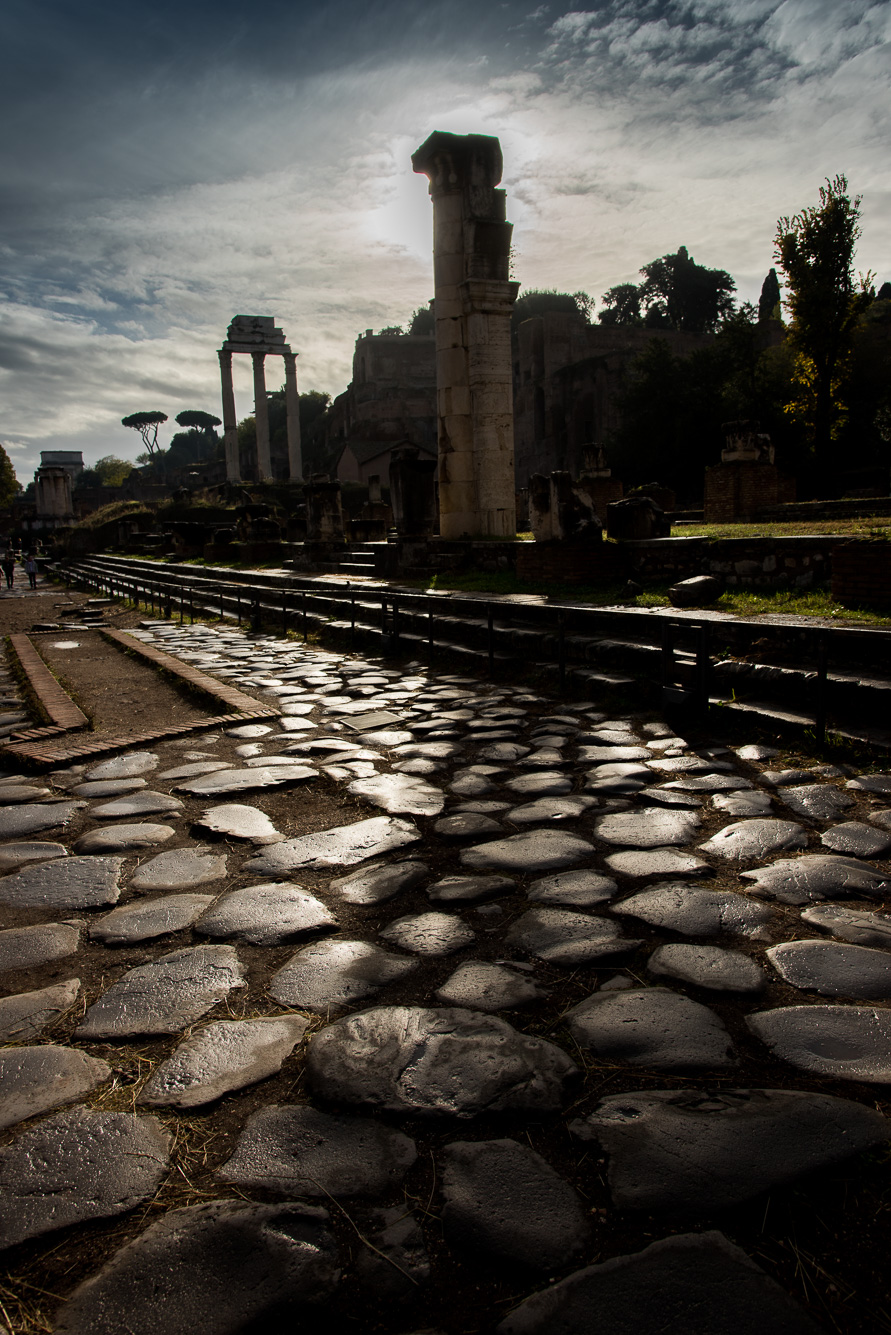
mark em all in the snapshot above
pixel 258 336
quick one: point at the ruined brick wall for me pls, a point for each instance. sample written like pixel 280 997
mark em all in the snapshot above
pixel 861 573
pixel 738 491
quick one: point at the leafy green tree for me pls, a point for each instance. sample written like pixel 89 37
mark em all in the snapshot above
pixel 680 294
pixel 815 249
pixel 147 425
pixel 769 303
pixel 544 301
pixel 108 471
pixel 392 330
pixel 621 305
pixel 9 484
pixel 423 321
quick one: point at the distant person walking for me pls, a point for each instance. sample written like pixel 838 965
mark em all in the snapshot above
pixel 31 570
pixel 9 568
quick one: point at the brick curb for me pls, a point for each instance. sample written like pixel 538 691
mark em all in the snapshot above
pixel 35 744
pixel 54 699
pixel 227 695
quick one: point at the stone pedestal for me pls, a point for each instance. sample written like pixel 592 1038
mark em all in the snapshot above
pixel 473 301
pixel 412 492
pixel 635 519
pixel 560 511
pixel 324 512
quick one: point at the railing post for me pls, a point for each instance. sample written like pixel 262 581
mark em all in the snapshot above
pixel 182 601
pixel 238 603
pixel 822 666
pixel 222 607
pixel 667 654
pixel 256 615
pixel 352 616
pixel 703 667
pixel 303 615
pixel 284 612
pixel 430 629
pixel 561 649
pixel 490 636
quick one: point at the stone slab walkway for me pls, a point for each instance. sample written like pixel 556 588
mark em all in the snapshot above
pixel 557 1022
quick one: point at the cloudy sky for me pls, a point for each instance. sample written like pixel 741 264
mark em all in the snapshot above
pixel 168 164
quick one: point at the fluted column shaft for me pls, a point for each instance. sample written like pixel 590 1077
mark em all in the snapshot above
pixel 230 426
pixel 261 417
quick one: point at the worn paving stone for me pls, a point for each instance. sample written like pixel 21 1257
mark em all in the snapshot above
pixel 504 1200
pixel 300 1151
pixel 469 889
pixel 123 838
pixel 686 1151
pixel 464 825
pixel 746 803
pixel 756 751
pixel 547 809
pixel 544 784
pixel 34 1080
pixel 708 967
pixel 168 1280
pixel 508 752
pixel 69 883
pixel 27 1014
pixel 11 794
pixel 109 787
pixel 238 821
pixel 375 885
pixel 845 1042
pixel 189 771
pixel 666 797
pixel 471 785
pixel 651 1027
pixel 131 923
pixel 165 995
pixel 249 732
pixel 180 869
pixel 871 783
pixel 405 794
pixel 488 987
pixel 656 862
pixel 815 876
pixel 816 801
pixel 575 889
pixel 417 766
pixel 834 970
pixel 223 1056
pixel 246 780
pixel 592 755
pixel 560 936
pixel 75 1166
pixel 429 933
pixel 857 840
pixel 399 1262
pixel 144 803
pixel 691 911
pixel 129 766
pixel 330 974
pixel 698 1283
pixel 34 817
pixel 745 840
pixel 447 1062
pixel 531 851
pixel 647 829
pixel 856 925
pixel 29 947
pixel 787 778
pixel 709 783
pixel 622 777
pixel 343 846
pixel 13 856
pixel 266 915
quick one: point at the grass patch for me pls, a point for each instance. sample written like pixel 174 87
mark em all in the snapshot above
pixel 739 602
pixel 869 526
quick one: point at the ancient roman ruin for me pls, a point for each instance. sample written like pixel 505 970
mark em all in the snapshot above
pixel 258 337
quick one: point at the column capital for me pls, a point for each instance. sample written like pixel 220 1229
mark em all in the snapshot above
pixel 258 358
pixel 225 356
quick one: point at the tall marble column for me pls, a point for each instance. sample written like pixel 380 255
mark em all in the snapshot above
pixel 474 297
pixel 261 417
pixel 292 405
pixel 230 426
